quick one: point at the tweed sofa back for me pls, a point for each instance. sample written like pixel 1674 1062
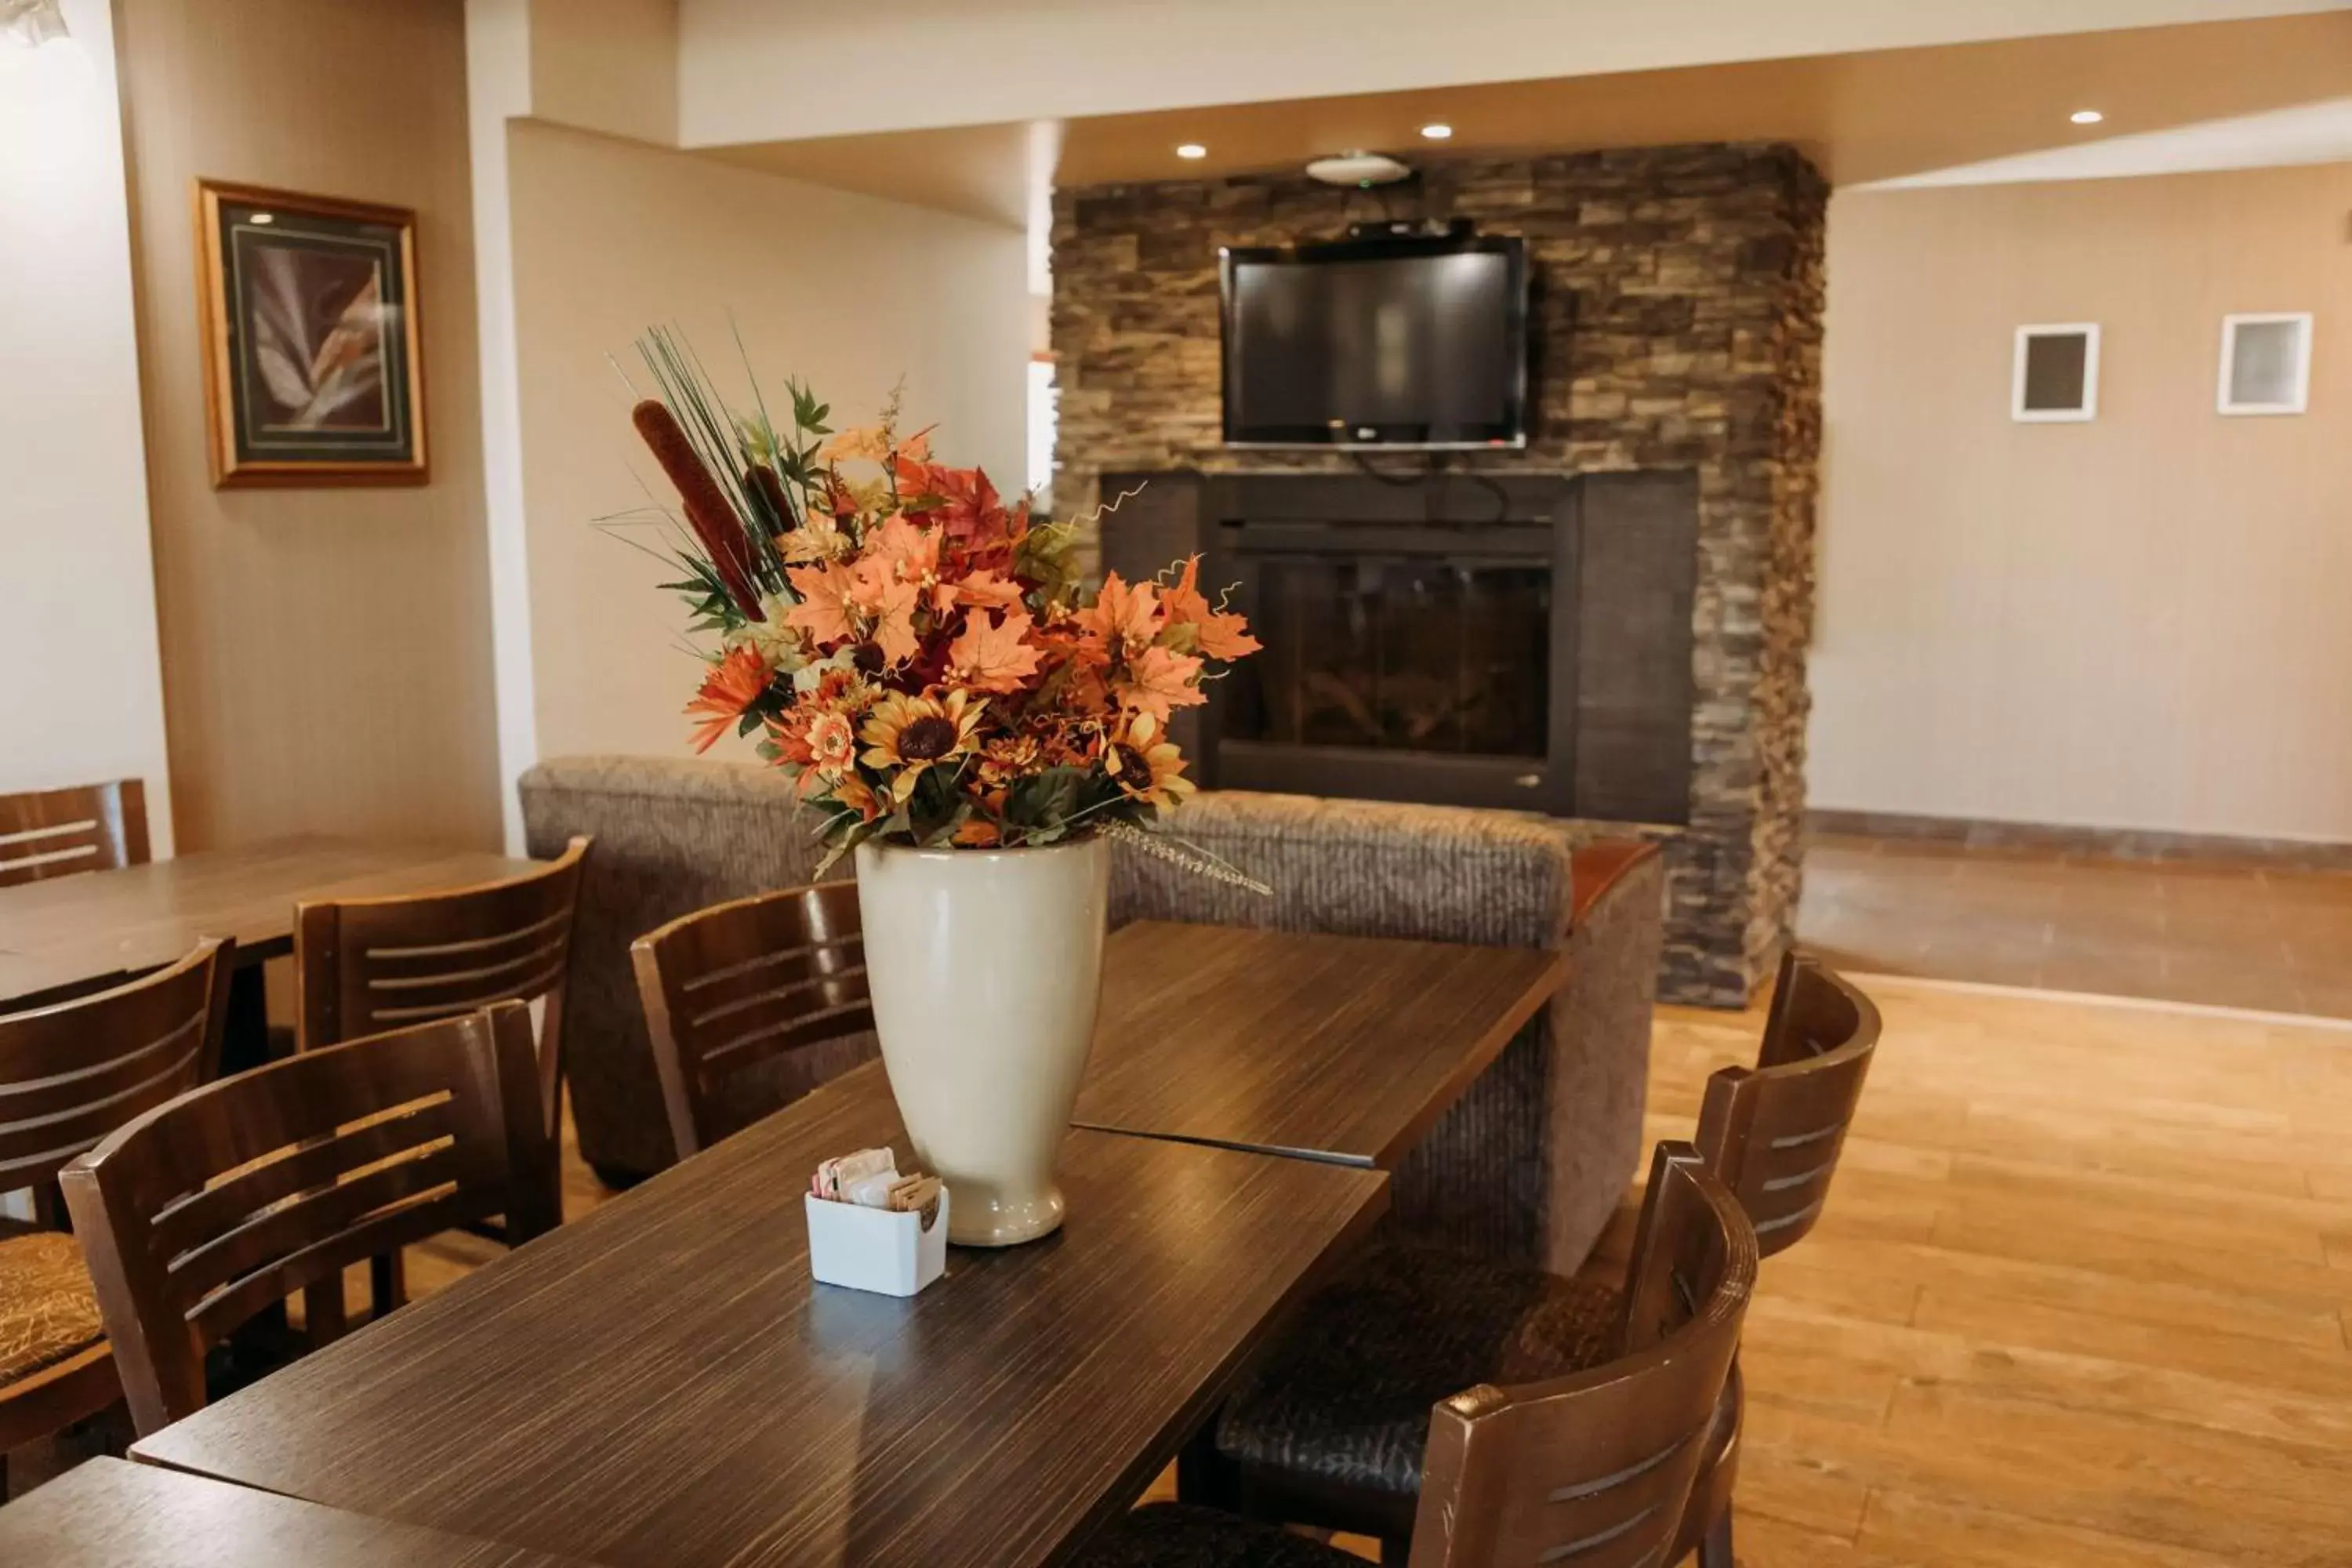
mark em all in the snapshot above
pixel 1528 1166
pixel 673 834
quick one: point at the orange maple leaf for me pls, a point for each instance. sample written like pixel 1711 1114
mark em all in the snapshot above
pixel 987 588
pixel 1158 679
pixel 894 623
pixel 1122 617
pixel 868 442
pixel 912 553
pixel 827 610
pixel 1220 635
pixel 992 657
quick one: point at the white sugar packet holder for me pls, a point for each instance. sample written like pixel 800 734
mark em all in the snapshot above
pixel 887 1251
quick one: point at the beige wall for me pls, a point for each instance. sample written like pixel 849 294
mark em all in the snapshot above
pixel 82 698
pixel 606 65
pixel 2137 622
pixel 326 652
pixel 847 292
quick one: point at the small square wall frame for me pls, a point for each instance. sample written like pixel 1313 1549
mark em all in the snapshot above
pixel 2265 363
pixel 2054 374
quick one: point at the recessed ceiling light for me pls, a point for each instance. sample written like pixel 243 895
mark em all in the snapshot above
pixel 1190 149
pixel 263 217
pixel 1437 130
pixel 2086 117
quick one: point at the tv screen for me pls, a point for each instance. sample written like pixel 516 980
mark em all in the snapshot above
pixel 1379 343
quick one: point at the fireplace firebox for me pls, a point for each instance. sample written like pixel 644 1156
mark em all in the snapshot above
pixel 1517 641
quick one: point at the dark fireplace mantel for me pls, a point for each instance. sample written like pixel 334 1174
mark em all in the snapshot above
pixel 1516 640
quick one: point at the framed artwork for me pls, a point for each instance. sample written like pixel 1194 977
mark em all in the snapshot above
pixel 312 370
pixel 2054 374
pixel 2265 363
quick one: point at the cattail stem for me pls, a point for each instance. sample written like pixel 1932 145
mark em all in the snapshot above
pixel 760 480
pixel 708 511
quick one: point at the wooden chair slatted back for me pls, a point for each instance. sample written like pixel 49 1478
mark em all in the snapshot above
pixel 1594 1470
pixel 738 987
pixel 365 965
pixel 57 832
pixel 207 1209
pixel 1774 1132
pixel 73 1072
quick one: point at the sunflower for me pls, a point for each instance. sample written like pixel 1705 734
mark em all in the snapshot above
pixel 912 733
pixel 1142 762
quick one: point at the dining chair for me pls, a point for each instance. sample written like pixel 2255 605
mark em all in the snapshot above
pixel 1328 1431
pixel 69 1075
pixel 230 1198
pixel 57 832
pixel 750 1005
pixel 364 966
pixel 1592 1469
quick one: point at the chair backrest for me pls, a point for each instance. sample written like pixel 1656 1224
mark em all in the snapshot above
pixel 365 965
pixel 73 1072
pixel 1592 1470
pixel 1774 1132
pixel 736 986
pixel 233 1196
pixel 57 832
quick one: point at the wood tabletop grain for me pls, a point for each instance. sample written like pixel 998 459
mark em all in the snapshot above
pixel 1338 1047
pixel 661 1384
pixel 69 930
pixel 105 1513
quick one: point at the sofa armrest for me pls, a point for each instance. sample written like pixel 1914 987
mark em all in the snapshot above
pixel 1601 1025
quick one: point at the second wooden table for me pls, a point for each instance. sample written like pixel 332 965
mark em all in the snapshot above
pixel 70 930
pixel 1336 1047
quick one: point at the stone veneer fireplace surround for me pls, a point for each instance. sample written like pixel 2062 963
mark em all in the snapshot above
pixel 1675 332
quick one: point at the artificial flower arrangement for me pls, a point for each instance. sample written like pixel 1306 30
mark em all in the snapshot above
pixel 919 655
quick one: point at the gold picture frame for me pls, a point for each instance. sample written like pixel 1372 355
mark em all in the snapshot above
pixel 314 365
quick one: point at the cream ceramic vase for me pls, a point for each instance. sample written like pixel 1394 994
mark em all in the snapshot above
pixel 986 966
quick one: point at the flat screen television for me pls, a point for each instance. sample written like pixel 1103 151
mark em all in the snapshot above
pixel 1387 342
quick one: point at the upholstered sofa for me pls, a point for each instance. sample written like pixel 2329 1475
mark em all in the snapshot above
pixel 1528 1165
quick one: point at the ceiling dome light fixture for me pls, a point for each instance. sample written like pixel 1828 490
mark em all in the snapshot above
pixel 1190 149
pixel 1359 168
pixel 2086 117
pixel 1437 130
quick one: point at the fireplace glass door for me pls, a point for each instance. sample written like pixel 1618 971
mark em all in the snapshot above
pixel 1428 650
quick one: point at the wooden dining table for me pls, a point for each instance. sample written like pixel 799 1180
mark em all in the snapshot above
pixel 1332 1047
pixel 65 933
pixel 105 1513
pixel 660 1381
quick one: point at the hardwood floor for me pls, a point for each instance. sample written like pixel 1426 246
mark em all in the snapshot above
pixel 2218 934
pixel 2081 1295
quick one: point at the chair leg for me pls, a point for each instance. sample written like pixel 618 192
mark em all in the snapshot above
pixel 324 1316
pixel 387 1284
pixel 1715 1547
pixel 1202 1475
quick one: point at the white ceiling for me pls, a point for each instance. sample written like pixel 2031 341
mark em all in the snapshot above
pixel 770 70
pixel 2306 134
pixel 2219 95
